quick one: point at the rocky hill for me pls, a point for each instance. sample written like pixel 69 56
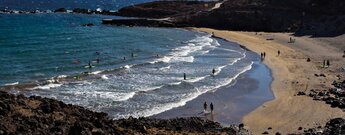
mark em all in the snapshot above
pixel 314 17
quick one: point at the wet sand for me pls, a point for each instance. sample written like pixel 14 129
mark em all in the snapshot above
pixel 291 73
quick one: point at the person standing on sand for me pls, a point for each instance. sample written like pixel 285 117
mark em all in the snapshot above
pixel 264 55
pixel 327 63
pixel 278 52
pixel 211 107
pixel 205 106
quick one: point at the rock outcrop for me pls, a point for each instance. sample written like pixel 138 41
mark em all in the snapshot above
pixel 335 126
pixel 37 115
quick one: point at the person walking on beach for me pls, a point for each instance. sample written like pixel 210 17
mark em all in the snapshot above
pixel 205 106
pixel 278 52
pixel 327 63
pixel 264 55
pixel 211 107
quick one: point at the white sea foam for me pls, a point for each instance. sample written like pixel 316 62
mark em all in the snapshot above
pixel 201 44
pixel 229 80
pixel 219 69
pixel 165 68
pixel 151 88
pixel 115 96
pixel 80 83
pixel 10 84
pixel 196 79
pixel 128 66
pixel 62 76
pixel 124 97
pixel 189 59
pixel 47 86
pixel 104 77
pixel 175 83
pixel 165 59
pixel 96 72
pixel 216 43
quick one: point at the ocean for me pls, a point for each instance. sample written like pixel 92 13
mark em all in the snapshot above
pixel 123 71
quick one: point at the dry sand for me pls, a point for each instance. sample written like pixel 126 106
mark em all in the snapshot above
pixel 291 73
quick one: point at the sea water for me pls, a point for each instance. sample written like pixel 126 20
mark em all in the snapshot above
pixel 124 71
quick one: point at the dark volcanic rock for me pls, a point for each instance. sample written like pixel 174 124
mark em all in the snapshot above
pixel 300 16
pixel 333 127
pixel 88 24
pixel 36 115
pixel 162 9
pixel 62 10
pixel 139 22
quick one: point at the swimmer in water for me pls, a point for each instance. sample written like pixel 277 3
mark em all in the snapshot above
pixel 90 66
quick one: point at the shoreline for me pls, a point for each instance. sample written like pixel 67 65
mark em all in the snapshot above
pixel 232 101
pixel 291 73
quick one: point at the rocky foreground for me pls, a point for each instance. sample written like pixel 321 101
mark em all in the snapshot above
pixel 314 17
pixel 37 115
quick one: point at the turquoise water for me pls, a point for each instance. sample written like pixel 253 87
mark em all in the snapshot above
pixel 124 71
pixel 69 4
pixel 41 46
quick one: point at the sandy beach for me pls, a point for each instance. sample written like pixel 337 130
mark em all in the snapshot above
pixel 292 73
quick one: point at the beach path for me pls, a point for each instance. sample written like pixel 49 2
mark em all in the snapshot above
pixel 291 73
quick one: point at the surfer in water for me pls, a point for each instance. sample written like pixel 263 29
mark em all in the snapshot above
pixel 184 76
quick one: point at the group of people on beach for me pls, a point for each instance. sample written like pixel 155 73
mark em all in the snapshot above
pixel 263 55
pixel 205 107
pixel 292 40
pixel 326 63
